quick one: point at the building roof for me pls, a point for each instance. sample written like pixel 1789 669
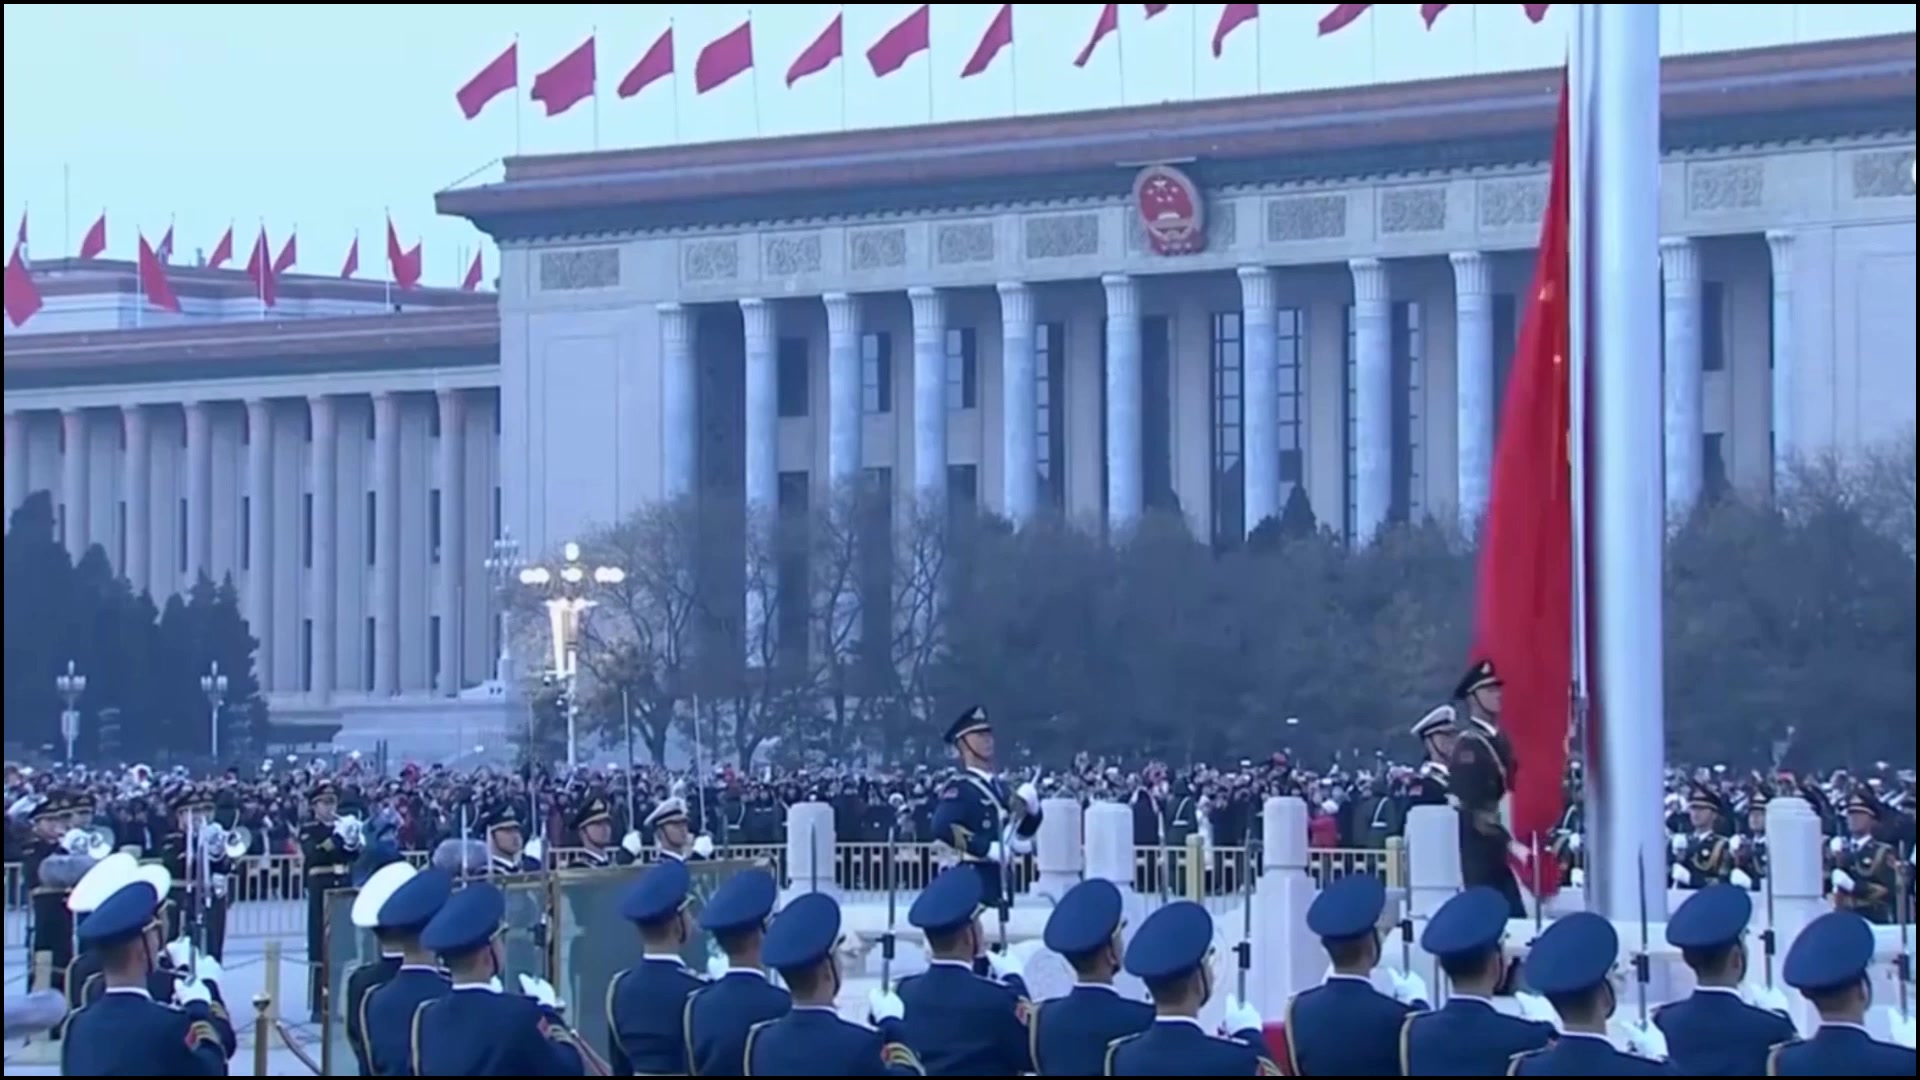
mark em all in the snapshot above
pixel 1823 89
pixel 118 277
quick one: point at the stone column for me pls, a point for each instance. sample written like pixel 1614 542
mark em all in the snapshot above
pixel 1474 389
pixel 386 549
pixel 74 493
pixel 199 419
pixel 1019 404
pixel 260 549
pixel 678 402
pixel 929 399
pixel 844 421
pixel 323 597
pixel 1780 246
pixel 1058 851
pixel 1126 488
pixel 763 411
pixel 1259 397
pixel 1680 283
pixel 136 487
pixel 452 470
pixel 16 461
pixel 1372 398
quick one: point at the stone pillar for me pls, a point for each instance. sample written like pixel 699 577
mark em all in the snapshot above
pixel 1433 859
pixel 1474 386
pixel 452 471
pixel 1259 397
pixel 323 596
pixel 1780 246
pixel 1286 959
pixel 1109 843
pixel 16 461
pixel 386 552
pixel 763 411
pixel 136 487
pixel 199 418
pixel 1057 853
pixel 1680 282
pixel 929 399
pixel 810 850
pixel 1019 404
pixel 1372 398
pixel 1796 861
pixel 680 418
pixel 844 418
pixel 260 548
pixel 1126 488
pixel 74 492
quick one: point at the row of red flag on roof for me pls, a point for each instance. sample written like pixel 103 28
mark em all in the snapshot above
pixel 575 77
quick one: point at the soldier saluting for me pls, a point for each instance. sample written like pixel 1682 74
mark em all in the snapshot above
pixel 1480 773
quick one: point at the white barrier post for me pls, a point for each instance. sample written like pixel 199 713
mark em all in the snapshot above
pixel 810 850
pixel 1796 862
pixel 1286 959
pixel 1057 856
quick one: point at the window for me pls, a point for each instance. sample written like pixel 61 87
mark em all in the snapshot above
pixel 180 532
pixel 306 656
pixel 369 653
pixel 1405 346
pixel 1290 325
pixel 1713 467
pixel 120 536
pixel 963 489
pixel 306 530
pixel 1229 490
pixel 875 575
pixel 61 522
pixel 1049 425
pixel 372 529
pixel 498 518
pixel 792 598
pixel 246 532
pixel 433 524
pixel 306 424
pixel 1713 326
pixel 1156 414
pixel 791 375
pixel 433 423
pixel 876 373
pixel 1506 337
pixel 963 383
pixel 433 651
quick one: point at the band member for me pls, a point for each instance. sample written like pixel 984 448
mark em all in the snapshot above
pixel 507 841
pixel 196 910
pixel 375 889
pixel 1345 1027
pixel 593 822
pixel 1714 1032
pixel 719 1015
pixel 1569 964
pixel 1467 1036
pixel 1749 846
pixel 1068 1036
pixel 1864 875
pixel 126 1032
pixel 673 834
pixel 52 923
pixel 387 1013
pixel 1829 964
pixel 646 1004
pixel 958 1022
pixel 812 1039
pixel 973 815
pixel 1479 775
pixel 1701 857
pixel 329 844
pixel 478 1029
pixel 1172 954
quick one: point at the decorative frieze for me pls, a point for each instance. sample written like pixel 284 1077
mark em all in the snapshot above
pixel 581 268
pixel 877 249
pixel 710 260
pixel 791 256
pixel 1296 218
pixel 1721 186
pixel 1513 203
pixel 1062 236
pixel 1413 210
pixel 957 243
pixel 1883 174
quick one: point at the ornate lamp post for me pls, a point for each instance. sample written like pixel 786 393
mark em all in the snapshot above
pixel 503 568
pixel 214 685
pixel 567 603
pixel 71 686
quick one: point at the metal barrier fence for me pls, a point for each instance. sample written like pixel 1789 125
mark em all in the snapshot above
pixel 266 893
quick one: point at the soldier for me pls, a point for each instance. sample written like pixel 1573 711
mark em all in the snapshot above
pixel 1172 954
pixel 375 889
pixel 477 1029
pixel 811 1039
pixel 1701 857
pixel 1479 774
pixel 1749 846
pixel 52 924
pixel 973 816
pixel 506 841
pixel 958 1022
pixel 672 834
pixel 1569 964
pixel 386 1019
pixel 646 1004
pixel 1864 874
pixel 1068 1036
pixel 1345 1027
pixel 328 847
pixel 1714 1032
pixel 1829 964
pixel 196 906
pixel 593 822
pixel 1467 1036
pixel 1437 733
pixel 719 1015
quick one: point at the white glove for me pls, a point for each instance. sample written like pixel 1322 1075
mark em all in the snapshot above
pixel 1577 878
pixel 1019 845
pixel 1005 965
pixel 207 970
pixel 885 1005
pixel 1678 875
pixel 1842 881
pixel 1836 846
pixel 180 953
pixel 1737 843
pixel 1240 1016
pixel 541 991
pixel 493 984
pixel 632 843
pixel 716 966
pixel 1535 1007
pixel 340 828
pixel 1576 842
pixel 993 852
pixel 1408 986
pixel 703 846
pixel 1646 1039
pixel 1029 795
pixel 1768 998
pixel 188 991
pixel 1741 878
pixel 1677 844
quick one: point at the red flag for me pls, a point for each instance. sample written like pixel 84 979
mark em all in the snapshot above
pixel 1535 12
pixel 908 38
pixel 1231 17
pixel 568 82
pixel 999 35
pixel 289 254
pixel 1341 17
pixel 403 264
pixel 261 270
pixel 22 295
pixel 1430 12
pixel 1155 9
pixel 657 64
pixel 471 283
pixel 94 244
pixel 1524 604
pixel 724 57
pixel 352 264
pixel 165 248
pixel 498 77
pixel 153 280
pixel 1108 22
pixel 815 57
pixel 222 251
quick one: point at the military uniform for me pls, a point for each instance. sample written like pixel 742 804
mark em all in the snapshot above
pixel 673 811
pixel 960 1023
pixel 386 1013
pixel 1702 857
pixel 1068 1036
pixel 1172 944
pixel 377 875
pixel 202 916
pixel 52 923
pixel 812 1039
pixel 646 1004
pixel 1345 1027
pixel 327 863
pixel 504 817
pixel 1749 848
pixel 1831 955
pixel 719 1014
pixel 1467 1036
pixel 590 856
pixel 1479 771
pixel 1869 865
pixel 1571 960
pixel 476 1030
pixel 1714 1032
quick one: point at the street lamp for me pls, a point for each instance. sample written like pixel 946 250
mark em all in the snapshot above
pixel 214 685
pixel 71 686
pixel 566 604
pixel 503 568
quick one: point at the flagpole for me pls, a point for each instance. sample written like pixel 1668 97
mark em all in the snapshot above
pixel 929 63
pixel 755 72
pixel 1193 53
pixel 66 211
pixel 517 103
pixel 139 282
pixel 845 63
pixel 675 81
pixel 1579 389
pixel 1120 50
pixel 266 267
pixel 1013 57
pixel 595 38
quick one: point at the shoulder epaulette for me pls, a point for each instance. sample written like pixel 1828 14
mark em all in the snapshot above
pixel 1114 1048
pixel 1513 1063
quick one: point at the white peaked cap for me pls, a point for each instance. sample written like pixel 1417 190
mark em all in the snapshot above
pixel 374 894
pixel 102 881
pixel 157 876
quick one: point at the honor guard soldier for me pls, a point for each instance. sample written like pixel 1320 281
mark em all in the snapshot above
pixel 1570 964
pixel 960 1023
pixel 1829 964
pixel 375 889
pixel 1345 1027
pixel 646 1004
pixel 329 844
pixel 52 926
pixel 1173 954
pixel 673 833
pixel 126 1032
pixel 1068 1036
pixel 1714 1032
pixel 1749 846
pixel 1479 775
pixel 507 841
pixel 1702 858
pixel 719 1015
pixel 593 823
pixel 196 906
pixel 1467 1036
pixel 974 815
pixel 83 979
pixel 1436 732
pixel 812 1039
pixel 1864 875
pixel 386 1014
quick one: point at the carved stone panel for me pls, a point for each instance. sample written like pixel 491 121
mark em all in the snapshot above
pixel 582 268
pixel 1063 236
pixel 1883 174
pixel 1720 186
pixel 956 243
pixel 1513 203
pixel 1413 210
pixel 877 249
pixel 710 260
pixel 791 256
pixel 1296 218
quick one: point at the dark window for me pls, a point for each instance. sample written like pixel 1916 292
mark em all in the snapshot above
pixel 306 656
pixel 875 576
pixel 180 530
pixel 1713 326
pixel 1291 327
pixel 876 372
pixel 373 529
pixel 1405 345
pixel 306 424
pixel 433 524
pixel 306 529
pixel 120 536
pixel 1506 337
pixel 963 382
pixel 61 515
pixel 1714 484
pixel 1229 491
pixel 1049 423
pixel 791 373
pixel 433 423
pixel 246 532
pixel 793 598
pixel 963 489
pixel 497 518
pixel 433 651
pixel 369 653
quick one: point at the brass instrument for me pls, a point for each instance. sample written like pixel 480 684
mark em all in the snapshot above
pixel 351 831
pixel 94 841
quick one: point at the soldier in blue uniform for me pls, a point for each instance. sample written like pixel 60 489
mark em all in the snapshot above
pixel 378 876
pixel 477 1029
pixel 126 1032
pixel 812 1039
pixel 1345 1027
pixel 1714 1032
pixel 507 841
pixel 1828 964
pixel 1467 1036
pixel 719 1015
pixel 1068 1036
pixel 646 1004
pixel 1569 965
pixel 386 1014
pixel 958 1022
pixel 975 815
pixel 1172 953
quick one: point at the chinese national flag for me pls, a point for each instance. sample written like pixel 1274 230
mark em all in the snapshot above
pixel 1523 617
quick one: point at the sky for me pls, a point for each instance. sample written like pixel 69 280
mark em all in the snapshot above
pixel 325 118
